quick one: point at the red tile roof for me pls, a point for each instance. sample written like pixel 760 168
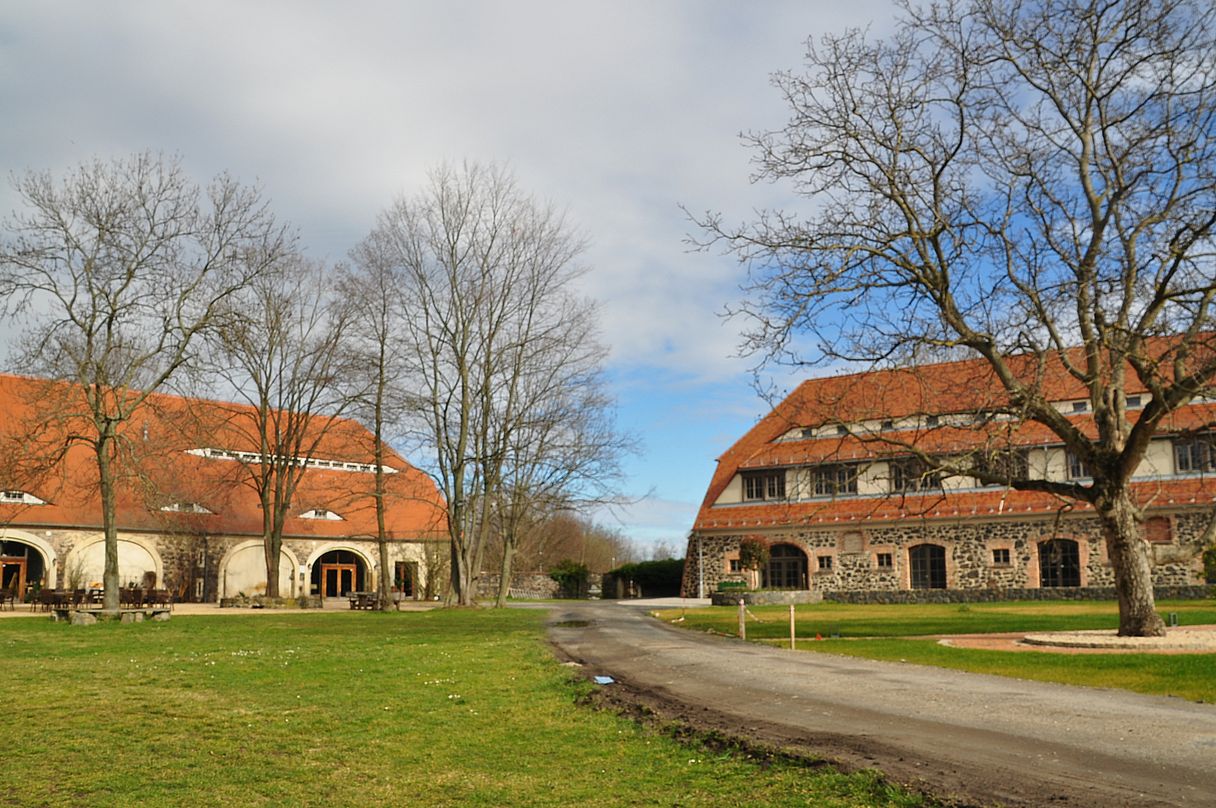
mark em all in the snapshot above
pixel 966 386
pixel 156 471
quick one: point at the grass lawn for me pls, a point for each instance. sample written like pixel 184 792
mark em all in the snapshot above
pixel 460 708
pixel 872 630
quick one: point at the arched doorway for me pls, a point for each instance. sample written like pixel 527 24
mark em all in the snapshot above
pixel 1059 563
pixel 786 568
pixel 22 568
pixel 339 572
pixel 927 566
pixel 242 571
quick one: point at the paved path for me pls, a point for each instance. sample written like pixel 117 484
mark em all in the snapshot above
pixel 982 739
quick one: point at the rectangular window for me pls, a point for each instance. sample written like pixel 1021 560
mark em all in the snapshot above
pixel 912 475
pixel 830 481
pixel 1080 406
pixel 1133 402
pixel 1005 465
pixel 763 485
pixel 1194 454
pixel 735 565
pixel 1000 557
pixel 884 561
pixel 1077 470
pixel 825 563
pixel 932 421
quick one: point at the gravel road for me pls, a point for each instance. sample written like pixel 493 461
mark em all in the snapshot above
pixel 967 738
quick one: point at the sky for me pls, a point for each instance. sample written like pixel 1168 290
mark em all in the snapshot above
pixel 622 113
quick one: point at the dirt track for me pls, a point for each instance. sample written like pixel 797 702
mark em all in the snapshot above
pixel 965 738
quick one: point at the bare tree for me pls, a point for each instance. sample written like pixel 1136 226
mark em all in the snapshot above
pixel 280 353
pixel 1028 183
pixel 114 271
pixel 373 287
pixel 484 270
pixel 563 451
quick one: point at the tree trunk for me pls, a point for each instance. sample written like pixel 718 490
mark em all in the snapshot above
pixel 105 476
pixel 504 581
pixel 386 573
pixel 1129 557
pixel 271 544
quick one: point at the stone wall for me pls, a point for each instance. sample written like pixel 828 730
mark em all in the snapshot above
pixel 1198 592
pixel 525 585
pixel 846 559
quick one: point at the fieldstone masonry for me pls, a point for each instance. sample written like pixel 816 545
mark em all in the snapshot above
pixel 843 563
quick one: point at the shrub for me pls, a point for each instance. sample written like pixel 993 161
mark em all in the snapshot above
pixel 653 578
pixel 571 576
pixel 753 552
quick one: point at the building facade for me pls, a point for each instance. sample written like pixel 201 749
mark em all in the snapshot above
pixel 189 514
pixel 834 483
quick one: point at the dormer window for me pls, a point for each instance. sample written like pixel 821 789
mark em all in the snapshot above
pixel 911 475
pixel 185 507
pixel 1080 406
pixel 932 421
pixel 763 485
pixel 1194 454
pixel 1077 468
pixel 14 497
pixel 321 513
pixel 1133 402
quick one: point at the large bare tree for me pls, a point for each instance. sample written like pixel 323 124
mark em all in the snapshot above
pixel 485 272
pixel 563 452
pixel 1029 183
pixel 379 361
pixel 280 353
pixel 113 272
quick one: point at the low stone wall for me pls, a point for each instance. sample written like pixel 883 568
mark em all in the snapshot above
pixel 773 598
pixel 991 595
pixel 263 602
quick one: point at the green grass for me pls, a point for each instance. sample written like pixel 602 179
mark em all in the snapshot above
pixel 441 708
pixel 1188 676
pixel 881 632
pixel 917 619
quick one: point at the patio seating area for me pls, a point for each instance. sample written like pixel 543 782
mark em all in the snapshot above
pixel 49 600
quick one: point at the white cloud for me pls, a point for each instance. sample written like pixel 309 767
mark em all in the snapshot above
pixel 618 111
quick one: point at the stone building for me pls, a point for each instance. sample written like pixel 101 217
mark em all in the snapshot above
pixel 188 514
pixel 831 481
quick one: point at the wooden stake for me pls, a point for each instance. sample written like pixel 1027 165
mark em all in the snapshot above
pixel 792 627
pixel 742 620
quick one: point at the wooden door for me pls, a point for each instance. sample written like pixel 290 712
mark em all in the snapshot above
pixel 337 579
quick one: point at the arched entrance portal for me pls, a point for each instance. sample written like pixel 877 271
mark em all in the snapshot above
pixel 786 568
pixel 22 568
pixel 1059 563
pixel 927 565
pixel 339 572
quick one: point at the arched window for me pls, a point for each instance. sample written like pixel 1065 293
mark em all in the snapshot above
pixel 1059 563
pixel 786 569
